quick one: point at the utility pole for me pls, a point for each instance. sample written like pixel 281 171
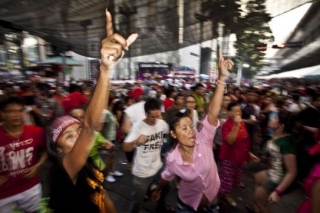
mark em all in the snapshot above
pixel 128 11
pixel 201 18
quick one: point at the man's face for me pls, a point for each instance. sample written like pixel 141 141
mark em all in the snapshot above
pixel 78 114
pixel 180 101
pixel 13 114
pixel 251 97
pixel 200 91
pixel 152 116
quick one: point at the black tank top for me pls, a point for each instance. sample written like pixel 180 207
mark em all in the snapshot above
pixel 87 195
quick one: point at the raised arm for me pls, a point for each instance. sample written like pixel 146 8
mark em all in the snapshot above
pixel 112 51
pixel 216 101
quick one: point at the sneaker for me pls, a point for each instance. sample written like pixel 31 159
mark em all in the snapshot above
pixel 110 179
pixel 230 200
pixel 116 174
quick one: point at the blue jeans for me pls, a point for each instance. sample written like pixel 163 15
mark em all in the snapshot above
pixel 141 187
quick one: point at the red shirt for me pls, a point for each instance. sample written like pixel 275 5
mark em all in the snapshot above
pixel 73 100
pixel 238 152
pixel 137 92
pixel 168 103
pixel 17 156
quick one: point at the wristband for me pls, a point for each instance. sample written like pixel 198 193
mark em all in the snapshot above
pixel 278 192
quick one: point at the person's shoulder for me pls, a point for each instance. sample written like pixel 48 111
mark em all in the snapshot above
pixel 133 107
pixel 33 128
pixel 139 124
pixel 162 122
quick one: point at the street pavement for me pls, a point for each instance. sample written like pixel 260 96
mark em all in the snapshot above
pixel 120 192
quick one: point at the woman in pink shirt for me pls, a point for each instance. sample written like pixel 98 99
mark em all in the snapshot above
pixel 191 157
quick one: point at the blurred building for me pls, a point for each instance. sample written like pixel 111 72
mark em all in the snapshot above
pixel 278 7
pixel 308 33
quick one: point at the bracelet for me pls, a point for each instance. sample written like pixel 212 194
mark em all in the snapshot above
pixel 220 82
pixel 278 192
pixel 220 85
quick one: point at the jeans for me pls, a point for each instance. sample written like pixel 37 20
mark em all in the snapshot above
pixel 182 208
pixel 141 186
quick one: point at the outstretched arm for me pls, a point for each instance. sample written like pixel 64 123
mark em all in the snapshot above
pixel 112 51
pixel 216 101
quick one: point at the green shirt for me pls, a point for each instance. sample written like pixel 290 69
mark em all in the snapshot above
pixel 109 129
pixel 200 103
pixel 94 153
pixel 278 149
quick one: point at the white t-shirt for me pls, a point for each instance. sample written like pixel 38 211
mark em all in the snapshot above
pixel 294 107
pixel 195 118
pixel 136 112
pixel 147 159
pixel 162 98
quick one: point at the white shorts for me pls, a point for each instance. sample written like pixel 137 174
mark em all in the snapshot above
pixel 27 201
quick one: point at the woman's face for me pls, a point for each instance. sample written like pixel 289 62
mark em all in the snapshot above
pixel 274 123
pixel 190 103
pixel 235 111
pixel 226 101
pixel 68 138
pixel 267 101
pixel 185 132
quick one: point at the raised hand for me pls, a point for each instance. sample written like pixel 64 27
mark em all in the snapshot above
pixel 113 45
pixel 224 65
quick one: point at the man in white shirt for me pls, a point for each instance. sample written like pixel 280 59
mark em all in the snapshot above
pixel 132 115
pixel 146 136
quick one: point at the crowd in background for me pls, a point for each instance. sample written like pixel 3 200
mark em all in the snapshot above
pixel 201 137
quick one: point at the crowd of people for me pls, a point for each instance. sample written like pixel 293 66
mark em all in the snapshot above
pixel 199 137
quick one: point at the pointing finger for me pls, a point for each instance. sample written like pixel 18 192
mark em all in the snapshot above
pixel 119 39
pixel 131 39
pixel 220 54
pixel 109 26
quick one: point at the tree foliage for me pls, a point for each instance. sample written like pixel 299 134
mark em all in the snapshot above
pixel 249 23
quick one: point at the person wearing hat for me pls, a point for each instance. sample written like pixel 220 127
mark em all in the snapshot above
pixel 77 185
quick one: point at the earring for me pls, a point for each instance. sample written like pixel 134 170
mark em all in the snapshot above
pixel 59 151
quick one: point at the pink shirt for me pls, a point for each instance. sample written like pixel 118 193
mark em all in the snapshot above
pixel 201 176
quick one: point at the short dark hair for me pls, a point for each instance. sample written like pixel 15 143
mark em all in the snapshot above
pixel 169 91
pixel 231 105
pixel 152 104
pixel 10 100
pixel 198 85
pixel 177 96
pixel 295 97
pixel 315 96
pixel 287 120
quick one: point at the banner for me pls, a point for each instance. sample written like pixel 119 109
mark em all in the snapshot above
pixel 152 70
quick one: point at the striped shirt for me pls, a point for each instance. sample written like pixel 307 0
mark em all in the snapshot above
pixel 200 177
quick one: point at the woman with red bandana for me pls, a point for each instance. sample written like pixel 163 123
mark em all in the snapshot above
pixel 76 184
